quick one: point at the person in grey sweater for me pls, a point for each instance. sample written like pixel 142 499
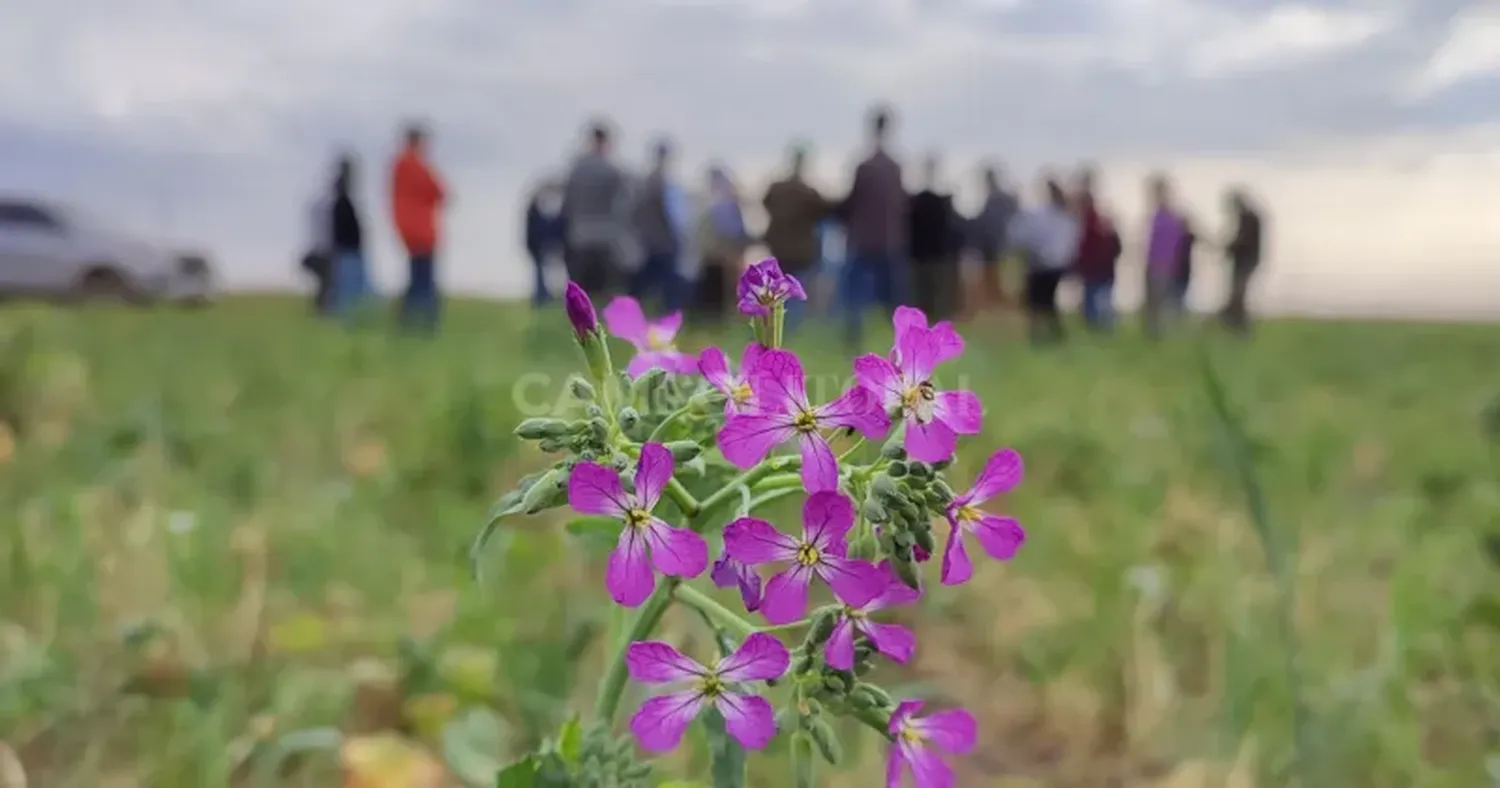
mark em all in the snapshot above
pixel 988 240
pixel 596 211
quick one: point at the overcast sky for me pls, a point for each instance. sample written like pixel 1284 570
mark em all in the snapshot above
pixel 1371 129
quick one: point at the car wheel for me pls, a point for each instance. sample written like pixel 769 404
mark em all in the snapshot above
pixel 105 286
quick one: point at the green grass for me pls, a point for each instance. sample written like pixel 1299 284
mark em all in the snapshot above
pixel 221 528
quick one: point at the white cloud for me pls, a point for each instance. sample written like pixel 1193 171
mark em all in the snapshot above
pixel 1470 50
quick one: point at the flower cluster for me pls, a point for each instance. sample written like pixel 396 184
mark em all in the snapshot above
pixel 641 455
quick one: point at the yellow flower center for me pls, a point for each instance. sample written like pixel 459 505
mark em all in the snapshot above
pixel 919 401
pixel 658 340
pixel 710 686
pixel 911 735
pixel 969 513
pixel 741 393
pixel 805 421
pixel 637 518
pixel 808 555
pixel 853 614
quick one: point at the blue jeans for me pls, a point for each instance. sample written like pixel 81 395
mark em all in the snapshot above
pixel 539 293
pixel 659 273
pixel 419 305
pixel 351 282
pixel 869 280
pixel 1099 304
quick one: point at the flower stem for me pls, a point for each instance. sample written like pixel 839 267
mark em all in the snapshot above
pixel 849 452
pixel 671 417
pixel 684 499
pixel 785 627
pixel 613 686
pixel 710 608
pixel 746 479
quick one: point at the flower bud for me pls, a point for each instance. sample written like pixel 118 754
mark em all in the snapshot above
pixel 827 741
pixel 834 684
pixel 580 311
pixel 865 548
pixel 599 430
pixel 804 767
pixel 885 490
pixel 552 445
pixel 896 469
pixel 802 664
pixel 892 449
pixel 581 389
pixel 647 381
pixel 684 451
pixel 629 417
pixel 874 512
pixel 941 489
pixel 536 429
pixel 924 540
pixel 821 629
pixel 549 491
pixel 872 696
pixel 943 465
pixel 907 571
pixel 921 470
pixel 887 541
pixel 593 411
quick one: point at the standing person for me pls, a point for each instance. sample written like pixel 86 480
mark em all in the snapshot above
pixel 351 280
pixel 1243 251
pixel 1047 236
pixel 417 197
pixel 795 211
pixel 317 260
pixel 826 293
pixel 1184 281
pixel 596 211
pixel 544 236
pixel 1163 254
pixel 1098 254
pixel 875 216
pixel 988 242
pixel 935 233
pixel 657 220
pixel 722 241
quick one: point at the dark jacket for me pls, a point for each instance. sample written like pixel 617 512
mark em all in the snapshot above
pixel 874 213
pixel 652 220
pixel 1245 248
pixel 1185 253
pixel 544 233
pixel 1098 245
pixel 347 235
pixel 793 210
pixel 933 228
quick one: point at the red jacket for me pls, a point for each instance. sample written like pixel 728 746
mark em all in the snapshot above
pixel 1098 245
pixel 416 198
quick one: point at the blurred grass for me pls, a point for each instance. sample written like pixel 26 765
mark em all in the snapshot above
pixel 224 527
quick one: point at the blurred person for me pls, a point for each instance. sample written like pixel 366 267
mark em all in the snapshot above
pixel 417 198
pixel 1163 255
pixel 1184 281
pixel 1098 255
pixel 1047 237
pixel 935 234
pixel 722 239
pixel 661 228
pixel 545 234
pixel 317 259
pixel 596 213
pixel 795 211
pixel 351 276
pixel 1243 252
pixel 824 293
pixel 987 239
pixel 875 219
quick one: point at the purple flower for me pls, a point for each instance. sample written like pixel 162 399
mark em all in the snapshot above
pixel 764 285
pixel 714 366
pixel 1000 536
pixel 580 310
pixel 821 552
pixel 729 572
pixel 661 720
pixel 653 340
pixel 903 383
pixel 779 411
pixel 919 743
pixel 892 640
pixel 645 540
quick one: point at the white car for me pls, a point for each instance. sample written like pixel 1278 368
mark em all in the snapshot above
pixel 50 250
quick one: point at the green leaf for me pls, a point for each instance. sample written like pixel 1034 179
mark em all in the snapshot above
pixel 509 504
pixel 570 741
pixel 473 745
pixel 728 769
pixel 521 774
pixel 599 534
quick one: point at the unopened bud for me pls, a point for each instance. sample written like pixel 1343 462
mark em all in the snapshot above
pixel 941 489
pixel 874 511
pixel 892 449
pixel 885 489
pixel 907 571
pixel 629 417
pixel 537 429
pixel 802 664
pixel 921 470
pixel 581 389
pixel 896 469
pixel 821 629
pixel 923 537
pixel 881 698
pixel 684 451
pixel 551 445
pixel 827 741
pixel 865 548
pixel 804 766
pixel 943 465
pixel 549 491
pixel 647 380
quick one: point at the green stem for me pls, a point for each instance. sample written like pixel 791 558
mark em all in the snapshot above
pixel 785 627
pixel 849 452
pixel 778 322
pixel 876 720
pixel 767 497
pixel 613 686
pixel 684 499
pixel 746 479
pixel 671 417
pixel 710 608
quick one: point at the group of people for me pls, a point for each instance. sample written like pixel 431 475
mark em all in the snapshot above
pixel 878 244
pixel 336 255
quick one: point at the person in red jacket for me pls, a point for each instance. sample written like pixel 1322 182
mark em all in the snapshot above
pixel 1098 251
pixel 417 198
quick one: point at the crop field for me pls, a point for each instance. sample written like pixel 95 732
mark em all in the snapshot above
pixel 234 551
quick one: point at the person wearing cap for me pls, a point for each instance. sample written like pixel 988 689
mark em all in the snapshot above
pixel 794 211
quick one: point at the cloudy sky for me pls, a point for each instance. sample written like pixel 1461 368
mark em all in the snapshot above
pixel 1369 128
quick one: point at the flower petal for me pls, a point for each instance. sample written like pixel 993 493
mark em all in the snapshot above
pixel 928 770
pixel 595 489
pixel 826 519
pixel 893 640
pixel 748 437
pixel 750 358
pixel 628 576
pixel 839 653
pixel 859 409
pixel 904 710
pixel 895 764
pixel 908 318
pixel 916 353
pixel 676 552
pixel 667 326
pixel 755 541
pixel 881 378
pixel 731 572
pixel 713 365
pixel 1002 472
pixel 949 344
pixel 953 731
pixel 652 474
pixel 820 468
pixel 653 662
pixel 956 566
pixel 779 383
pixel 761 657
pixel 1000 536
pixel 646 360
pixel 750 719
pixel 661 721
pixel 625 320
pixel 786 596
pixel 930 442
pixel 960 410
pixel 855 583
pixel 896 592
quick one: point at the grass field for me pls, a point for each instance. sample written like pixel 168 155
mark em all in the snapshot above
pixel 226 535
